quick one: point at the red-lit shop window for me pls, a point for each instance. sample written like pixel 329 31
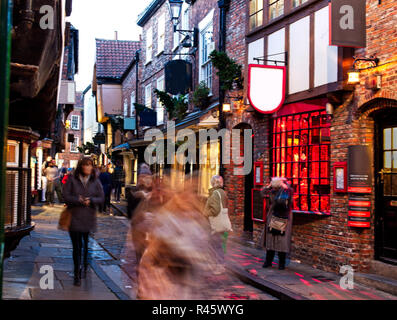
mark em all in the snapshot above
pixel 300 152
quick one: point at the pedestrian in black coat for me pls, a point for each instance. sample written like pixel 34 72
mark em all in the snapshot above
pixel 106 180
pixel 83 193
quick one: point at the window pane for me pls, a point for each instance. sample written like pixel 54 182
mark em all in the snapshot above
pixel 387 139
pixel 394 138
pixel 387 161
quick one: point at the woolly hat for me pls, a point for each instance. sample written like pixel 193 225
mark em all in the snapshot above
pixel 144 169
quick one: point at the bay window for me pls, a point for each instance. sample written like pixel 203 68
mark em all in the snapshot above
pixel 301 153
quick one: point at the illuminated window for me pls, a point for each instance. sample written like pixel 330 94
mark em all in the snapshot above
pixel 301 153
pixel 297 3
pixel 256 13
pixel 276 8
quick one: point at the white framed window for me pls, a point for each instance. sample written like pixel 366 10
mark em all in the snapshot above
pixel 148 96
pixel 176 38
pixel 206 47
pixel 74 145
pixel 149 45
pixel 297 3
pixel 255 13
pixel 125 108
pixel 185 16
pixel 159 105
pixel 133 100
pixel 75 122
pixel 160 33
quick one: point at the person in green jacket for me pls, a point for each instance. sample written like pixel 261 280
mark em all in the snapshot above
pixel 212 208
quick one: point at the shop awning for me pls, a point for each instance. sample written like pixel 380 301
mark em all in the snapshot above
pixel 124 146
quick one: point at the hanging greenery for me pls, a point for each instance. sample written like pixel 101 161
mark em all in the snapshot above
pixel 229 72
pixel 175 106
pixel 201 96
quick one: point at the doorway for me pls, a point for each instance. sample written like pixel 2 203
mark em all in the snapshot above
pixel 386 187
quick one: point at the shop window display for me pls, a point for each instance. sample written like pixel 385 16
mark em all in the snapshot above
pixel 300 152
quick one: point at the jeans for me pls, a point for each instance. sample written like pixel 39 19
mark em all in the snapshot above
pixel 58 190
pixel 79 242
pixel 117 187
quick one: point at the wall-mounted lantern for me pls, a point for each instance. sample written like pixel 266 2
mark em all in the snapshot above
pixel 227 107
pixel 175 7
pixel 358 65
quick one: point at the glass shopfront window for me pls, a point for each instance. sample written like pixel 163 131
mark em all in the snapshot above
pixel 301 153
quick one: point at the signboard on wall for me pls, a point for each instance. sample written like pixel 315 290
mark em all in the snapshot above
pixel 360 170
pixel 348 23
pixel 266 87
pixel 258 205
pixel 178 77
pixel 359 186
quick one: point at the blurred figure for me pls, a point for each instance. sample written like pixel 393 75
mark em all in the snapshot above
pixel 118 180
pixel 67 175
pixel 44 179
pixel 177 255
pixel 281 210
pixel 106 180
pixel 51 174
pixel 216 201
pixel 143 187
pixel 83 193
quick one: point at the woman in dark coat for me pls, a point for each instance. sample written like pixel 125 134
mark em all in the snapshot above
pixel 274 240
pixel 83 194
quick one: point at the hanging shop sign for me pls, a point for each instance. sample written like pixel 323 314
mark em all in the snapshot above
pixel 178 77
pixel 259 205
pixel 340 177
pixel 347 23
pixel 266 87
pixel 360 170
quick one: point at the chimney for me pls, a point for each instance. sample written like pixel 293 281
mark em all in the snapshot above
pixel 116 36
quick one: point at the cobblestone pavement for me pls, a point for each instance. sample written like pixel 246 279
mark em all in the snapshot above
pixel 113 236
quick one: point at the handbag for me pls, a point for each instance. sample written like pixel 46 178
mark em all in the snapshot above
pixel 65 220
pixel 277 225
pixel 221 223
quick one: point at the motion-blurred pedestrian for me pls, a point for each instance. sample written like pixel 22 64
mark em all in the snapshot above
pixel 118 178
pixel 51 174
pixel 83 194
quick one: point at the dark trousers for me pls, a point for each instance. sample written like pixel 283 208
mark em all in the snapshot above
pixel 79 242
pixel 117 190
pixel 106 203
pixel 58 190
pixel 270 256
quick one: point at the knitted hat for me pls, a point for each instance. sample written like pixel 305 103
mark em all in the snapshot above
pixel 144 169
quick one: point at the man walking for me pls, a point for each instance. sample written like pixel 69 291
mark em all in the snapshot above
pixel 118 180
pixel 51 174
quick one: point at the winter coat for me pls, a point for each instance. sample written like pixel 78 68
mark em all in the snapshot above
pixel 213 205
pixel 83 218
pixel 279 243
pixel 106 181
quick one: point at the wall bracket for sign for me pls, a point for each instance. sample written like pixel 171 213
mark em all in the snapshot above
pixel 264 59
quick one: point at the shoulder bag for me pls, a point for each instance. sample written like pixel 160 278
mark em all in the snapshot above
pixel 221 223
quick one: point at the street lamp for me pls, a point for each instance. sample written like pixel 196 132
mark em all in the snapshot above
pixel 360 64
pixel 175 7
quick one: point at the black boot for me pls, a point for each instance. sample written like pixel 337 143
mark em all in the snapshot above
pixel 77 279
pixel 281 260
pixel 269 258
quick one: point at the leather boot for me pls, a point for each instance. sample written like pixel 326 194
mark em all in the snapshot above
pixel 269 258
pixel 77 279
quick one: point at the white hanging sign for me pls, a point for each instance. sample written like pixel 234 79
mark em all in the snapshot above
pixel 266 87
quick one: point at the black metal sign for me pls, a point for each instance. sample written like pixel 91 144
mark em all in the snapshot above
pixel 360 170
pixel 348 23
pixel 178 77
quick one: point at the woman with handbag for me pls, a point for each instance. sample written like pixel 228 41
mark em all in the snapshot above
pixel 217 212
pixel 83 193
pixel 278 228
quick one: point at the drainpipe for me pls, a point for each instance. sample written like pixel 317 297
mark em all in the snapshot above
pixel 5 58
pixel 136 89
pixel 224 7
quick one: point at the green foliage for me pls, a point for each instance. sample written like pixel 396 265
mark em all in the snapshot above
pixel 201 95
pixel 229 72
pixel 175 106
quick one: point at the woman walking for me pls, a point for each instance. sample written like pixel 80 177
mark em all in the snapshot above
pixel 278 227
pixel 83 194
pixel 216 203
pixel 106 180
